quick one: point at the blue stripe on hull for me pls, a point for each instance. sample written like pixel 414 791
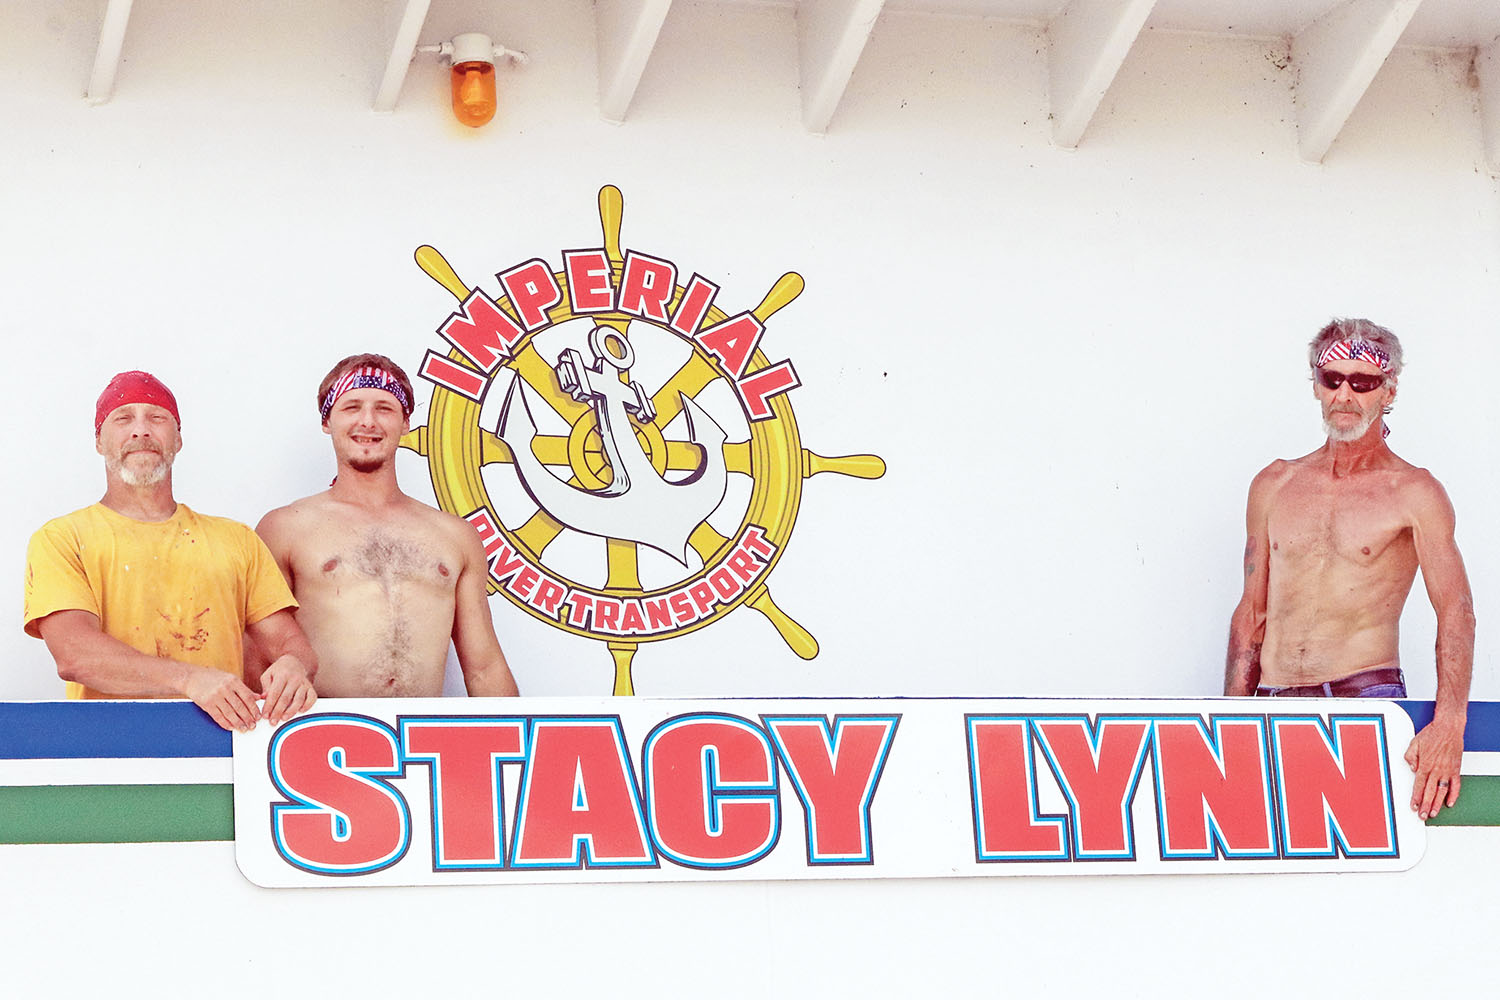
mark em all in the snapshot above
pixel 1482 734
pixel 47 730
pixel 55 730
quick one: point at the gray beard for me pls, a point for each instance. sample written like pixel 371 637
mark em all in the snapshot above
pixel 150 477
pixel 1353 433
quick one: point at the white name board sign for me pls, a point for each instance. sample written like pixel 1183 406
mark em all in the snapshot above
pixel 423 792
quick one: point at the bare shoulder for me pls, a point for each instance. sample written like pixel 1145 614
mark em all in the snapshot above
pixel 1274 476
pixel 1420 490
pixel 461 532
pixel 298 510
pixel 295 519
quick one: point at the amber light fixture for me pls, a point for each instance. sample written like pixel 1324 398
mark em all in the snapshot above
pixel 472 78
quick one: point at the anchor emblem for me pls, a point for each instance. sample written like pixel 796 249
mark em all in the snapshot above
pixel 637 504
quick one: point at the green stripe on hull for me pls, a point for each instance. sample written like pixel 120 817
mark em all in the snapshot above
pixel 1478 803
pixel 115 814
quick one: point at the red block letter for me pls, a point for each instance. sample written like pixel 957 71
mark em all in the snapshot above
pixel 646 286
pixel 711 789
pixel 755 389
pixel 835 777
pixel 1098 774
pixel 342 820
pixel 1336 790
pixel 733 341
pixel 1002 777
pixel 467 801
pixel 481 331
pixel 579 802
pixel 454 377
pixel 1213 795
pixel 697 297
pixel 588 281
pixel 532 290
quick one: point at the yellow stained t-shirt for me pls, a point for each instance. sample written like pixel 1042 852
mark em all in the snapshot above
pixel 183 588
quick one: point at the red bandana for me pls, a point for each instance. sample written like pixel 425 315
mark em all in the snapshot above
pixel 133 387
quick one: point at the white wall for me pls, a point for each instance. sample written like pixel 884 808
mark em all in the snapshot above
pixel 1071 361
pixel 1156 936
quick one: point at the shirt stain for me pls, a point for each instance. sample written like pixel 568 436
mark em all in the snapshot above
pixel 190 634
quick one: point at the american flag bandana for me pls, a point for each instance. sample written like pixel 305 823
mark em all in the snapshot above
pixel 1359 350
pixel 367 377
pixel 1356 350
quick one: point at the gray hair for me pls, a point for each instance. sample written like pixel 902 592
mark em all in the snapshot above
pixel 1356 329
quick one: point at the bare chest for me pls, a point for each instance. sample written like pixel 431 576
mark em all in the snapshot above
pixel 381 555
pixel 1315 519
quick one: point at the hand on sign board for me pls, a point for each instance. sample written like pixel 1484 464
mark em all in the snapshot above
pixel 1435 754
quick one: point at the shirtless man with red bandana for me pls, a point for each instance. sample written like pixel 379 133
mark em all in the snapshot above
pixel 384 582
pixel 1335 539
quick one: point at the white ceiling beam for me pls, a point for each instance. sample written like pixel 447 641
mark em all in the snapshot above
pixel 831 34
pixel 403 47
pixel 107 56
pixel 1487 65
pixel 627 31
pixel 1086 45
pixel 1337 56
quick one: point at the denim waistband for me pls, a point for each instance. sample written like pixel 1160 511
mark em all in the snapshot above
pixel 1381 682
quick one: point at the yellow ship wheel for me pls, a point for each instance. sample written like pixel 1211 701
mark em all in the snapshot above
pixel 456 448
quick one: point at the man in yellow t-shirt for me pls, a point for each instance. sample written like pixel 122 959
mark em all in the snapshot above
pixel 139 596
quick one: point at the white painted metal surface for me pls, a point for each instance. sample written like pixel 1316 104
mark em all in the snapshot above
pixel 403 47
pixel 1339 47
pixel 1072 363
pixel 1487 67
pixel 1336 58
pixel 1087 43
pixel 831 34
pixel 107 57
pixel 627 32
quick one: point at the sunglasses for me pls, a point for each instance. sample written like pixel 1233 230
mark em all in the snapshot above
pixel 1359 382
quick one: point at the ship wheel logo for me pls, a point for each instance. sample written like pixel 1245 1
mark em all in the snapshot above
pixel 625 449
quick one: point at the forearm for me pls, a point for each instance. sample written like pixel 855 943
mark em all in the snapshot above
pixel 1455 666
pixel 291 643
pixel 108 665
pixel 486 674
pixel 491 680
pixel 1242 664
pixel 1242 668
pixel 88 656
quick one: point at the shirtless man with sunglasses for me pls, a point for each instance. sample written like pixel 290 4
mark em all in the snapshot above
pixel 1335 539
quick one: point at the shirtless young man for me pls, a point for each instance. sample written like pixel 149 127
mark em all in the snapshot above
pixel 383 581
pixel 1335 539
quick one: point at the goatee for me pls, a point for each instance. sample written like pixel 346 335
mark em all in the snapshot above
pixel 145 477
pixel 1343 435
